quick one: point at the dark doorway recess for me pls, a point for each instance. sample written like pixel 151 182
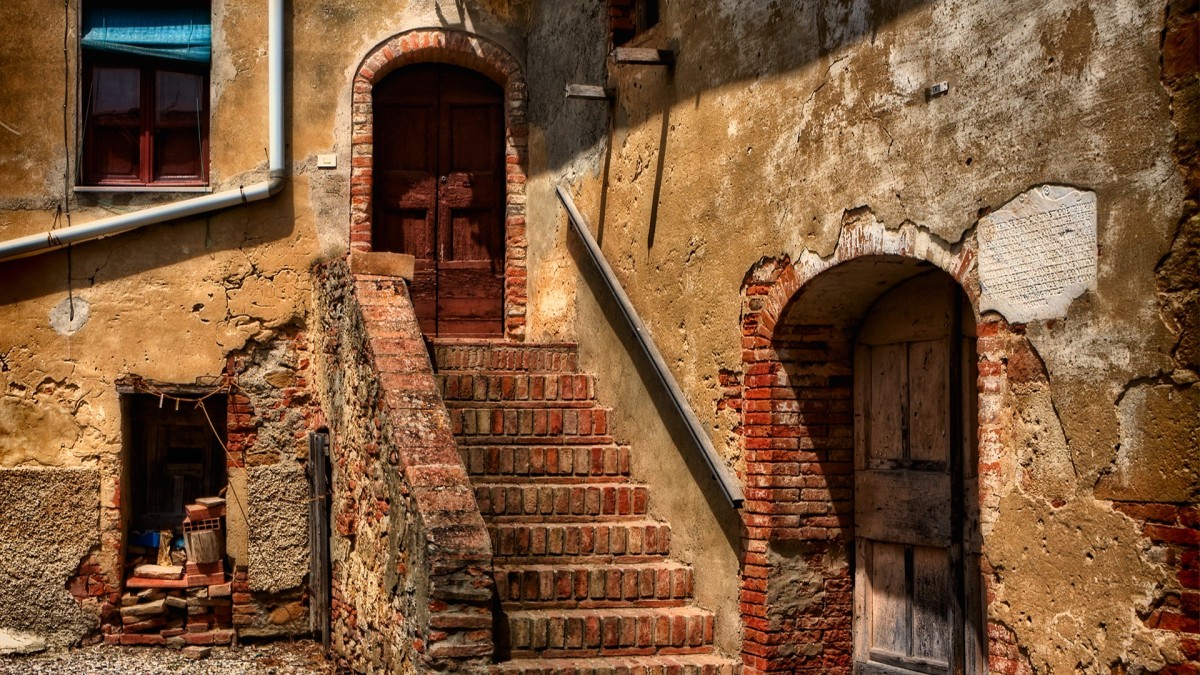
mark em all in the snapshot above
pixel 173 457
pixel 439 193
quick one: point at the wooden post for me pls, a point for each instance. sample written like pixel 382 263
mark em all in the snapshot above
pixel 318 536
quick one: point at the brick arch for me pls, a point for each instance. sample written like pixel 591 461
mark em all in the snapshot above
pixel 436 45
pixel 796 430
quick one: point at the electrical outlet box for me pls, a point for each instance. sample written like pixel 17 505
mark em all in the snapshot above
pixel 327 161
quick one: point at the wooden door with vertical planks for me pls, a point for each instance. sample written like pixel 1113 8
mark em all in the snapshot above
pixel 439 193
pixel 912 436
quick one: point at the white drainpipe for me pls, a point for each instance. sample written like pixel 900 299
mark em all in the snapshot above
pixel 106 227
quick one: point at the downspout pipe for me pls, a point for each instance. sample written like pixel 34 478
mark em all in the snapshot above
pixel 106 227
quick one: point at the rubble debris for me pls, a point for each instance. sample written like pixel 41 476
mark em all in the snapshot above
pixel 186 605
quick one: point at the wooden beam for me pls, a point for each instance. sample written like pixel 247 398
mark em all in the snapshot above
pixel 644 56
pixel 590 92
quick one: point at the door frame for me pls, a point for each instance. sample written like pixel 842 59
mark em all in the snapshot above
pixel 466 50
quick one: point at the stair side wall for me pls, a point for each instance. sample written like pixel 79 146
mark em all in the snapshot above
pixel 411 589
pixel 705 529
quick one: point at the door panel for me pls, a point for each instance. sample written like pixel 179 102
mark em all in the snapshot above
pixel 440 193
pixel 910 507
pixel 931 603
pixel 908 482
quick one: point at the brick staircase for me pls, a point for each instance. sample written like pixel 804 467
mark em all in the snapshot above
pixel 581 568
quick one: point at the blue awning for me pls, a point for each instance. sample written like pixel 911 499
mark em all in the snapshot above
pixel 176 33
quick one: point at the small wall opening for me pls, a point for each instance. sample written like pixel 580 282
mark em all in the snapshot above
pixel 173 485
pixel 175 457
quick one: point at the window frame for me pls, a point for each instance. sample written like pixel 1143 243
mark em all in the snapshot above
pixel 89 173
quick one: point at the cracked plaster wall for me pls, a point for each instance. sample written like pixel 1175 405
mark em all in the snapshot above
pixel 777 118
pixel 170 303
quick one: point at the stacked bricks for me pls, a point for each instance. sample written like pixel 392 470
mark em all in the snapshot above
pixel 488 58
pixel 581 569
pixel 795 395
pixel 176 617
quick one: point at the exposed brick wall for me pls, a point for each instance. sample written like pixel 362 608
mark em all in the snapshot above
pixel 432 45
pixel 1172 533
pixel 411 555
pixel 797 433
pixel 94 585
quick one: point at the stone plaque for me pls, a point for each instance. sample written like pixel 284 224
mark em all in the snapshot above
pixel 1037 253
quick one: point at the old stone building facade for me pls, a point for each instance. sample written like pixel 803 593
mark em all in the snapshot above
pixel 923 275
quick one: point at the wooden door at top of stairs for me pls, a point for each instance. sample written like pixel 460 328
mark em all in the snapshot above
pixel 916 590
pixel 439 193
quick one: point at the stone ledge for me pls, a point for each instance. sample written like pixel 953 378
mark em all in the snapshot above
pixel 382 264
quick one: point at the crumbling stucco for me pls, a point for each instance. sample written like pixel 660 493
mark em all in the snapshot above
pixel 278 533
pixel 1073 584
pixel 35 434
pixel 1156 457
pixel 49 521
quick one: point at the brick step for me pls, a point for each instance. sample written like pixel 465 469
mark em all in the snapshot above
pixel 547 500
pixel 517 388
pixel 541 422
pixel 662 583
pixel 684 664
pixel 553 357
pixel 599 541
pixel 561 439
pixel 554 462
pixel 551 633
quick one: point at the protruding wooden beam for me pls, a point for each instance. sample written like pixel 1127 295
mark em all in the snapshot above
pixel 590 92
pixel 644 56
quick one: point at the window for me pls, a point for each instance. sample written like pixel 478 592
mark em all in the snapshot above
pixel 145 93
pixel 629 18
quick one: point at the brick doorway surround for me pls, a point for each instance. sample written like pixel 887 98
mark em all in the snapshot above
pixel 795 395
pixel 435 45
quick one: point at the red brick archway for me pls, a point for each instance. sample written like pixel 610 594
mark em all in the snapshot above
pixel 797 435
pixel 434 45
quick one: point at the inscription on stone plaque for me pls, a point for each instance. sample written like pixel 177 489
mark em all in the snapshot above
pixel 1037 253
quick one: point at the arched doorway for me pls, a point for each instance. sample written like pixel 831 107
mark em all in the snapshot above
pixel 439 192
pixel 916 591
pixel 805 430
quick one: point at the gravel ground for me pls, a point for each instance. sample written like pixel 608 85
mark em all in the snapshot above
pixel 300 657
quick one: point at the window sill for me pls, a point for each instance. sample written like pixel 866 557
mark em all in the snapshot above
pixel 144 188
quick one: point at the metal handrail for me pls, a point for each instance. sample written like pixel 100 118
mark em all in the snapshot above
pixel 728 482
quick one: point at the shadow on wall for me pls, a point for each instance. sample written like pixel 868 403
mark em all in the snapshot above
pixel 693 456
pixel 78 268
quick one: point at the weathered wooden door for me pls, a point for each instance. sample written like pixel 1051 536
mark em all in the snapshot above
pixel 916 596
pixel 439 192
